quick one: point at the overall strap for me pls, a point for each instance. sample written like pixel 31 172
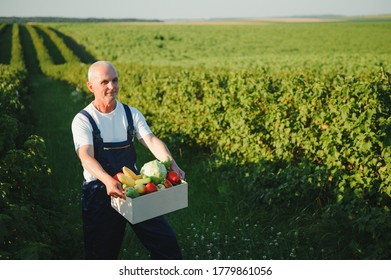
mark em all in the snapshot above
pixel 97 139
pixel 130 122
pixel 95 129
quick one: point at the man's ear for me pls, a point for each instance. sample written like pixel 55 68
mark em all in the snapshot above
pixel 89 85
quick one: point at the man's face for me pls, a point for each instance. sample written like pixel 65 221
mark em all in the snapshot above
pixel 104 84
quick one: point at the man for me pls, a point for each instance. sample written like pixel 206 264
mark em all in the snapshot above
pixel 103 136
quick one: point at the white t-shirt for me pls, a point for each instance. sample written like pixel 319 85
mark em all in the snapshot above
pixel 82 128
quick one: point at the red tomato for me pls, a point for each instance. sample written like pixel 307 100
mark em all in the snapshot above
pixel 150 187
pixel 173 177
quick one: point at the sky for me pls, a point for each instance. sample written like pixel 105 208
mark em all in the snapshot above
pixel 191 9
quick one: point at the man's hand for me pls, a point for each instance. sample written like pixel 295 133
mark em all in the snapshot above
pixel 114 189
pixel 160 151
pixel 86 155
pixel 176 168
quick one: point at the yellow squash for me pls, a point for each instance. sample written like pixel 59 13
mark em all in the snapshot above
pixel 128 172
pixel 126 180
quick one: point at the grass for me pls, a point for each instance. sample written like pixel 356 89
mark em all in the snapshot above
pixel 54 109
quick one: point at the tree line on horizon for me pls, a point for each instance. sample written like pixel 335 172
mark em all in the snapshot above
pixel 65 19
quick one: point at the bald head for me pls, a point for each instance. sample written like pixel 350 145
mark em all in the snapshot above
pixel 98 67
pixel 103 83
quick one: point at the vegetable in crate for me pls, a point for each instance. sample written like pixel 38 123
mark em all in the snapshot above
pixel 150 188
pixel 173 177
pixel 140 189
pixel 122 178
pixel 128 172
pixel 154 170
pixel 131 192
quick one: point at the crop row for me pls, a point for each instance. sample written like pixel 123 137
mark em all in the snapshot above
pixel 336 122
pixel 22 164
pixel 25 196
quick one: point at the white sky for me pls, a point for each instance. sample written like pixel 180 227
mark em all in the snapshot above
pixel 191 9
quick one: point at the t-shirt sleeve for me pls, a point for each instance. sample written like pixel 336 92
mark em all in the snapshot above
pixel 81 131
pixel 140 124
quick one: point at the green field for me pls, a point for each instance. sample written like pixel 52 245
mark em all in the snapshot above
pixel 274 46
pixel 283 133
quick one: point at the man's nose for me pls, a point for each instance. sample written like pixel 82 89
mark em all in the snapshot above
pixel 111 85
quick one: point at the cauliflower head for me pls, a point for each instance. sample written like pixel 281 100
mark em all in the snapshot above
pixel 154 170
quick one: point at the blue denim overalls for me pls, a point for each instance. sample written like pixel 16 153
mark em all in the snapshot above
pixel 104 227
